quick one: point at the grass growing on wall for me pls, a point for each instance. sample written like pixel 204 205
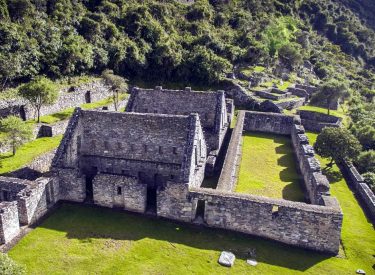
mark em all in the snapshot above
pixel 26 153
pixel 268 167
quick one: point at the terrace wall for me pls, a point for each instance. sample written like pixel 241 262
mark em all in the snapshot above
pixel 365 194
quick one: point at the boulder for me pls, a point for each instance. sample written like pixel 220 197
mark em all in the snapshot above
pixel 227 258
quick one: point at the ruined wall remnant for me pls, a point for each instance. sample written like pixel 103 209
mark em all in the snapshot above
pixel 314 121
pixel 269 123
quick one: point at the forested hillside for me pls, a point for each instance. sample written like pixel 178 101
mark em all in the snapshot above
pixel 169 40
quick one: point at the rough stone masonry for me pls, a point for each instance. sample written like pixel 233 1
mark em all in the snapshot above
pixel 155 163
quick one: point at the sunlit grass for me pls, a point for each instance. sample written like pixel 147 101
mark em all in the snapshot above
pixel 268 167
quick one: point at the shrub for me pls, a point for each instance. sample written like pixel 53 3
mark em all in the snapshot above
pixel 10 267
pixel 369 178
pixel 366 161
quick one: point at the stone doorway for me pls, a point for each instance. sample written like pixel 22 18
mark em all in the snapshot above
pixel 88 97
pixel 23 113
pixel 89 184
pixel 199 213
pixel 151 200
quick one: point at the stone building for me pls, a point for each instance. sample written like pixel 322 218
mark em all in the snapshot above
pixel 124 159
pixel 215 112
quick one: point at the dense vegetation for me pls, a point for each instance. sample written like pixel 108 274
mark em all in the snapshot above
pixel 165 40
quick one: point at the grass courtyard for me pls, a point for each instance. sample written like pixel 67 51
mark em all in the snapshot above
pixel 268 167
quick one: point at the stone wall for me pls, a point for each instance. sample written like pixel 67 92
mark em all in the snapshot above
pixel 269 123
pixel 291 104
pixel 315 183
pixel 120 192
pixel 35 168
pixel 9 224
pixel 229 173
pixel 35 200
pixel 299 92
pixel 72 184
pixel 314 121
pixel 364 193
pixel 68 97
pixel 240 97
pixel 173 202
pixel 309 226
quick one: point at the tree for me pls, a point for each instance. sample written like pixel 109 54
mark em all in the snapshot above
pixel 10 267
pixel 366 161
pixel 16 132
pixel 39 92
pixel 337 144
pixel 330 92
pixel 369 179
pixel 117 83
pixel 290 55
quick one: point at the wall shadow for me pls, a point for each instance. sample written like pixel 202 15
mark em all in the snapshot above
pixel 85 223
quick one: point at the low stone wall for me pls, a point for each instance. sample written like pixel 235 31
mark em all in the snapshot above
pixel 240 97
pixel 314 121
pixel 269 123
pixel 39 165
pixel 299 92
pixel 120 192
pixel 229 173
pixel 309 89
pixel 68 97
pixel 309 226
pixel 291 104
pixel 365 194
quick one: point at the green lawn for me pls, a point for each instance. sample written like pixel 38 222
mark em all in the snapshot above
pixel 268 167
pixel 27 153
pixel 337 113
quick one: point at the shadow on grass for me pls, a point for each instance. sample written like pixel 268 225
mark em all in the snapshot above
pixel 85 223
pixel 6 156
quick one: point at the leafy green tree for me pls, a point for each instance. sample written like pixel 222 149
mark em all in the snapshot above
pixel 290 55
pixel 365 134
pixel 16 132
pixel 118 85
pixel 77 55
pixel 331 91
pixel 369 179
pixel 366 161
pixel 39 92
pixel 19 9
pixel 337 144
pixel 4 14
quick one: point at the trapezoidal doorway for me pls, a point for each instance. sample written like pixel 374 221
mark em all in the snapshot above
pixel 89 186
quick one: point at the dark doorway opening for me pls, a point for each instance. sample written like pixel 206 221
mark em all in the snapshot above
pixel 151 200
pixel 199 214
pixel 23 113
pixel 89 185
pixel 88 97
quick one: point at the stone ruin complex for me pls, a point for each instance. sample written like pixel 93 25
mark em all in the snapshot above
pixel 152 159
